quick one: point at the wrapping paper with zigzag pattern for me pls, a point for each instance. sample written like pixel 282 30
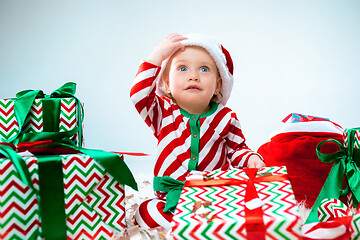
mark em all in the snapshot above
pixel 9 126
pixel 223 217
pixel 94 201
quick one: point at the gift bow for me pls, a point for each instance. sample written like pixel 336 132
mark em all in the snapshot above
pixel 344 165
pixel 22 106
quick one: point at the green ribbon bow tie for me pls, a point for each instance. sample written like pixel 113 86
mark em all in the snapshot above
pixel 22 106
pixel 173 188
pixel 344 165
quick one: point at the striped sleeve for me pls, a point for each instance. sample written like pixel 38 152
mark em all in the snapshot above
pixel 143 95
pixel 238 151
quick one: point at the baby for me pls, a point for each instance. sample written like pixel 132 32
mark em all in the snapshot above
pixel 183 102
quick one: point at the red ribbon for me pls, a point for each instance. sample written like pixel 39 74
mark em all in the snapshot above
pixel 21 147
pixel 132 154
pixel 33 147
pixel 254 223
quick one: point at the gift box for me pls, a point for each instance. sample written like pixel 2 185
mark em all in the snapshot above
pixel 69 195
pixel 237 204
pixel 33 116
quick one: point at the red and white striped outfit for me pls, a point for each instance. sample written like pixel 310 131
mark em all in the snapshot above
pixel 209 141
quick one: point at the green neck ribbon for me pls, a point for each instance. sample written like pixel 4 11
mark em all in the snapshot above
pixel 344 165
pixel 51 113
pixel 172 187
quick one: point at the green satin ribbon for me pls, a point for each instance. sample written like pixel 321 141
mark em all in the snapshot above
pixel 172 187
pixel 112 162
pixel 51 201
pixel 22 106
pixel 52 197
pixel 344 165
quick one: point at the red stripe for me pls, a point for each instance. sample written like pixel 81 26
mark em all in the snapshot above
pixel 145 214
pixel 166 152
pixel 146 66
pixel 10 126
pixel 105 196
pixel 64 106
pixel 6 114
pixel 18 208
pixel 147 82
pixel 23 231
pixel 83 161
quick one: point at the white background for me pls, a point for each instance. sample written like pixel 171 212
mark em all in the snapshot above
pixel 289 56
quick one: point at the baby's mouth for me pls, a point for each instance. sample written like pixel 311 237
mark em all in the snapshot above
pixel 192 87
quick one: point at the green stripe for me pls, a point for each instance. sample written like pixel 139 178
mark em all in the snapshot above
pixel 84 224
pixel 6 104
pixel 8 118
pixel 68 117
pixel 10 134
pixel 188 207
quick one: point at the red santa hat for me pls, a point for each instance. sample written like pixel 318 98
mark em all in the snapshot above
pixel 222 60
pixel 294 146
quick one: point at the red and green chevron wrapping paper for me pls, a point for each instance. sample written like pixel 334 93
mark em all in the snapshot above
pixel 9 126
pixel 94 201
pixel 356 138
pixel 224 214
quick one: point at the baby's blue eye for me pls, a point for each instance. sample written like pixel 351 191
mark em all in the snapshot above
pixel 182 69
pixel 204 69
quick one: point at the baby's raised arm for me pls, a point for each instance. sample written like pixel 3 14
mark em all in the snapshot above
pixel 167 46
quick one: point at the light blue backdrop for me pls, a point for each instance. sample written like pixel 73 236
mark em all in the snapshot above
pixel 289 56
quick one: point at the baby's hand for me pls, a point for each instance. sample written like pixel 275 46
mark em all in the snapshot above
pixel 167 46
pixel 255 162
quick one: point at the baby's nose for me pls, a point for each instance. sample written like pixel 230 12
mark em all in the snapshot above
pixel 193 76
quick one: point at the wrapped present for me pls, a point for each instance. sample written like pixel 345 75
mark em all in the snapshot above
pixel 345 166
pixel 74 193
pixel 34 116
pixel 237 204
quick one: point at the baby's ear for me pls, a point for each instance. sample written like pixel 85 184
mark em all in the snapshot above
pixel 165 82
pixel 218 86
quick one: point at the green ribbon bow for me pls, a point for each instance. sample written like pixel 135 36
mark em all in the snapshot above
pixel 173 188
pixel 51 111
pixel 344 165
pixel 51 195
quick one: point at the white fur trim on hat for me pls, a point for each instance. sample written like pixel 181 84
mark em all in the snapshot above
pixel 221 57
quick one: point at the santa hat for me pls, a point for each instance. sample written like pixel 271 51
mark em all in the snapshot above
pixel 222 60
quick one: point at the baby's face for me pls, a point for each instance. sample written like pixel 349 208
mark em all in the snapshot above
pixel 193 79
